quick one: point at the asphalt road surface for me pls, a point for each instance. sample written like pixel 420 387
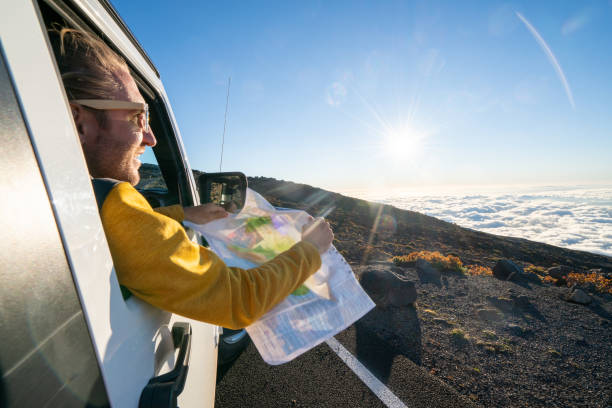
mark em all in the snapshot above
pixel 319 378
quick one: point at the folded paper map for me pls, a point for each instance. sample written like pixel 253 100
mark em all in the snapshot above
pixel 327 303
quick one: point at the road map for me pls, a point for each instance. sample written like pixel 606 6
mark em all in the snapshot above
pixel 327 303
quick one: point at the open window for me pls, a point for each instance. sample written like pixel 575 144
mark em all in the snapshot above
pixel 164 179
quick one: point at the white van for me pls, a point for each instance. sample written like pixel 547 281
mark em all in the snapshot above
pixel 69 338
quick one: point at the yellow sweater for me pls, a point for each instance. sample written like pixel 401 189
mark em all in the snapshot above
pixel 156 260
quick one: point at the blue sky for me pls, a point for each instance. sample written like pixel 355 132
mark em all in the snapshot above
pixel 371 95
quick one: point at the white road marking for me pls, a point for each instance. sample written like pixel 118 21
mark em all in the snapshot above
pixel 382 392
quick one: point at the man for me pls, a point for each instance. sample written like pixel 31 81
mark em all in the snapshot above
pixel 152 254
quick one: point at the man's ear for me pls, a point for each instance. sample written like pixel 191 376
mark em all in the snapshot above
pixel 85 122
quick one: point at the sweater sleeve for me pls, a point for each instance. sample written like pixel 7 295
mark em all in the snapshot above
pixel 173 211
pixel 156 260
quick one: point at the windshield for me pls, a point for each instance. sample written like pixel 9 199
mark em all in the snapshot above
pixel 491 117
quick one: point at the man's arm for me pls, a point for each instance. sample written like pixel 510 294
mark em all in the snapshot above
pixel 155 259
pixel 176 212
pixel 199 214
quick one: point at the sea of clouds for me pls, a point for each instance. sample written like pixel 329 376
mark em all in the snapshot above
pixel 575 217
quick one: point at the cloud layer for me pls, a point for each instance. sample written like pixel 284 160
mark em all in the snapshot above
pixel 573 217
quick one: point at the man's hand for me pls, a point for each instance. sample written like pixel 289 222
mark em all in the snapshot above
pixel 318 233
pixel 202 214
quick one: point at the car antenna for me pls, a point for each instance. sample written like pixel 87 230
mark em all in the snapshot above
pixel 229 82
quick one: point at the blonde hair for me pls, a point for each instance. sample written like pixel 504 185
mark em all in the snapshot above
pixel 88 67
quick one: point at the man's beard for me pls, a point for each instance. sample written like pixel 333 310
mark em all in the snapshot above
pixel 105 165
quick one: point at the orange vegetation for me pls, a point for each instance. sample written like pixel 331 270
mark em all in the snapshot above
pixel 439 261
pixel 602 284
pixel 479 270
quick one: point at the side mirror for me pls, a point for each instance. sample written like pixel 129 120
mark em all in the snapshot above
pixel 225 189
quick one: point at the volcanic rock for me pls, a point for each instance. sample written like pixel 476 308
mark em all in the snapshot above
pixel 388 289
pixel 580 297
pixel 505 269
pixel 427 270
pixel 587 287
pixel 558 272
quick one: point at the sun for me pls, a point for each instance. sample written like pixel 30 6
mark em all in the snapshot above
pixel 402 144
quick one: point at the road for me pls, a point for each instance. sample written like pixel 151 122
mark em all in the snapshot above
pixel 320 378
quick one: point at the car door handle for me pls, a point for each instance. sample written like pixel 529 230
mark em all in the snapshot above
pixel 162 391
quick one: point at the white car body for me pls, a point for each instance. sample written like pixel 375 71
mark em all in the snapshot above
pixel 130 338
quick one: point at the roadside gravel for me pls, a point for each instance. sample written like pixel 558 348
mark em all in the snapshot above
pixel 500 343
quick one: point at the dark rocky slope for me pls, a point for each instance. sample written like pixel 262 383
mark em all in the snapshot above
pixel 501 343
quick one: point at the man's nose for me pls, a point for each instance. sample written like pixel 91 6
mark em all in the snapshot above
pixel 148 138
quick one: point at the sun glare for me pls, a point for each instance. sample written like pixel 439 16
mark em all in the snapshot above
pixel 402 144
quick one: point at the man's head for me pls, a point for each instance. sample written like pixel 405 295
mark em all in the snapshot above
pixel 112 139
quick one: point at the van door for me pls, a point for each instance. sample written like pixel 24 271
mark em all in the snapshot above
pixel 46 355
pixel 132 341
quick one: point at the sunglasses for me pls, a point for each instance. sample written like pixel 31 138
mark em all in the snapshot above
pixel 109 104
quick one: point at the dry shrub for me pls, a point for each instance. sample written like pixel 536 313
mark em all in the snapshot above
pixel 549 279
pixel 602 284
pixel 538 270
pixel 439 261
pixel 459 333
pixel 479 270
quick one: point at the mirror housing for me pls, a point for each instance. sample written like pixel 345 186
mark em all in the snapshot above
pixel 227 189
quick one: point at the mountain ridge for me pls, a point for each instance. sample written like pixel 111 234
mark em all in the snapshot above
pixel 401 231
